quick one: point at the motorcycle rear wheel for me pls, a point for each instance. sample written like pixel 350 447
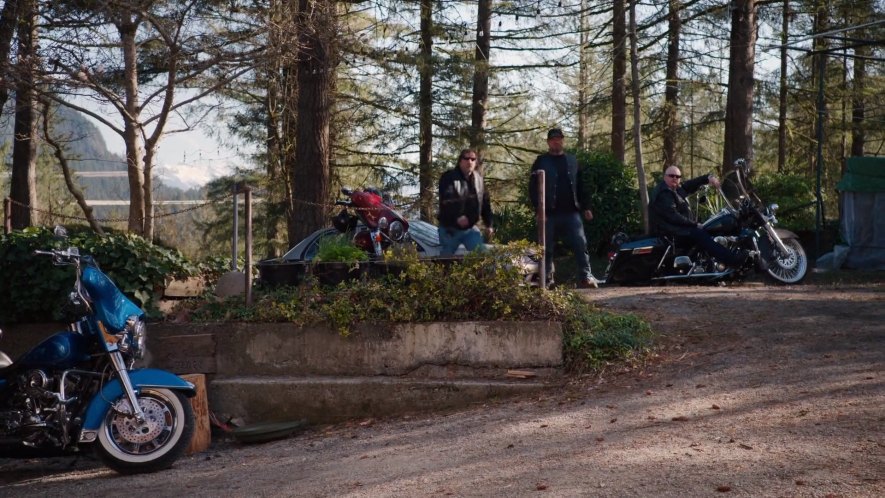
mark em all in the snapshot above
pixel 791 268
pixel 129 448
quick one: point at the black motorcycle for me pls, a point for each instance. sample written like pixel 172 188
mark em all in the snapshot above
pixel 744 223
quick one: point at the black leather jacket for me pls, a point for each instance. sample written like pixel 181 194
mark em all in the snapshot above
pixel 668 212
pixel 545 162
pixel 455 199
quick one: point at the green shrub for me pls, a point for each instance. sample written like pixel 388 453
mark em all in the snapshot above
pixel 484 286
pixel 339 248
pixel 794 193
pixel 33 289
pixel 614 197
pixel 515 222
pixel 594 338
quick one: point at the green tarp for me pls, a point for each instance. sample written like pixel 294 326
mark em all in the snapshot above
pixel 863 174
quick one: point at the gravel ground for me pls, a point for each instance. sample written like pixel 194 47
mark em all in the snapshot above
pixel 755 391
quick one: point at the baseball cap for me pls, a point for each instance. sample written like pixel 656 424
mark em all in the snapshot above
pixel 555 133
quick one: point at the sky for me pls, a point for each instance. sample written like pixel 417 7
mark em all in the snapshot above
pixel 188 159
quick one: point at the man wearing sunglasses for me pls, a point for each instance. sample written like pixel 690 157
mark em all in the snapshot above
pixel 670 214
pixel 463 200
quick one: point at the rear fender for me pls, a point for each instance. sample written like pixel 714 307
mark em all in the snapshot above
pixel 146 377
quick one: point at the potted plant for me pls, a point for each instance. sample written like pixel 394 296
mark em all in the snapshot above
pixel 338 260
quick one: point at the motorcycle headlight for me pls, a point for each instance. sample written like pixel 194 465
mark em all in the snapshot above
pixel 135 337
pixel 397 231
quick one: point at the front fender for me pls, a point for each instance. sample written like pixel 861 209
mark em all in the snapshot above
pixel 144 377
pixel 783 233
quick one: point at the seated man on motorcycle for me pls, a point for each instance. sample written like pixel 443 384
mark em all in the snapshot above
pixel 670 214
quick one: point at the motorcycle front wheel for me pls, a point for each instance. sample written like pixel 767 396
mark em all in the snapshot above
pixel 790 268
pixel 132 448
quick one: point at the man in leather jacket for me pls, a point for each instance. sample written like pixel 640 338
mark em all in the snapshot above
pixel 670 214
pixel 565 202
pixel 463 200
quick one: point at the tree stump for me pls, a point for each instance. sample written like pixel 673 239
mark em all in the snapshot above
pixel 200 403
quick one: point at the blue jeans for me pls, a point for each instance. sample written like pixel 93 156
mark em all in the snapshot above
pixel 570 227
pixel 451 238
pixel 718 251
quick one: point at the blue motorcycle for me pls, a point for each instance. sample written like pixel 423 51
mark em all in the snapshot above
pixel 78 388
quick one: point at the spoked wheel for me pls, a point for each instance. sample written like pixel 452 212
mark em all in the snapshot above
pixel 790 268
pixel 129 447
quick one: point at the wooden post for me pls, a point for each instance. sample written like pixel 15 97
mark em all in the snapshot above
pixel 7 215
pixel 541 216
pixel 248 264
pixel 202 431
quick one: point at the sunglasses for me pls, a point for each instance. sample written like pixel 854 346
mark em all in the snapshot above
pixel 468 158
pixel 675 176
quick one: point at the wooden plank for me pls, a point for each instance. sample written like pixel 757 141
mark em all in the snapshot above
pixel 202 430
pixel 190 287
pixel 521 374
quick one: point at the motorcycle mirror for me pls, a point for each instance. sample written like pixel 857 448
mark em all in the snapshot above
pixel 60 232
pixel 383 224
pixel 346 191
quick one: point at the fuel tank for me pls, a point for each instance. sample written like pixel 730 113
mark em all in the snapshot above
pixel 62 350
pixel 723 223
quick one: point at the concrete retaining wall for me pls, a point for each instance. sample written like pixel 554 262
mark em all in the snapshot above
pixel 276 371
pixel 274 349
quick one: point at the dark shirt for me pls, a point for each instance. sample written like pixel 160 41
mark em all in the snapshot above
pixel 559 188
pixel 564 197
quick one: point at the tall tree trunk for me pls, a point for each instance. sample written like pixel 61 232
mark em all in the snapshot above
pixel 23 184
pixel 8 23
pixel 132 132
pixel 637 116
pixel 619 74
pixel 425 114
pixel 858 107
pixel 739 103
pixel 671 93
pixel 820 45
pixel 481 77
pixel 288 135
pixel 782 95
pixel 583 71
pixel 274 100
pixel 316 65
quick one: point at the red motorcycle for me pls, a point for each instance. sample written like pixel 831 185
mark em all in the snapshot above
pixel 383 225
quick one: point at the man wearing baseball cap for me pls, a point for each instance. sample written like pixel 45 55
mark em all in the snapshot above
pixel 566 202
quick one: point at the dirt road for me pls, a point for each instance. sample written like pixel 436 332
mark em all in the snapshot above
pixel 757 391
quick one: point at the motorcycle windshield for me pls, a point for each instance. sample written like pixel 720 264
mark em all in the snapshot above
pixel 111 306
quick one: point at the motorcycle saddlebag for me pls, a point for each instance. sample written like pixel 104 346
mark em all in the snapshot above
pixel 637 260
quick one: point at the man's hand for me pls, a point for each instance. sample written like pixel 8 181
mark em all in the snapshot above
pixel 490 233
pixel 463 222
pixel 713 181
pixel 588 215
